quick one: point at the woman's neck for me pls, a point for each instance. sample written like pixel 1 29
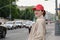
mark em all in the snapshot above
pixel 40 16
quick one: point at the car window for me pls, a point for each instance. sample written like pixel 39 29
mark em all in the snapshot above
pixel 9 23
pixel 18 22
pixel 28 23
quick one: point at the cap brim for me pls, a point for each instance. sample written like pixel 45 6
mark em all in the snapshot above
pixel 33 8
pixel 36 9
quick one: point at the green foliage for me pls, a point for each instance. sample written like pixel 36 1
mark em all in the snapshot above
pixel 27 14
pixel 7 8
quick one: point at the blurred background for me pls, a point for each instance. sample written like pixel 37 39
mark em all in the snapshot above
pixel 17 18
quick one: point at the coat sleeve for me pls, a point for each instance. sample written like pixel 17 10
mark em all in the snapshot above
pixel 40 32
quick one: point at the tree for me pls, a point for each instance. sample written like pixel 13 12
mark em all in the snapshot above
pixel 7 8
pixel 27 14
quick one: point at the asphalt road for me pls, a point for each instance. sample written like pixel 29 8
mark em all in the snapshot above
pixel 22 34
pixel 17 34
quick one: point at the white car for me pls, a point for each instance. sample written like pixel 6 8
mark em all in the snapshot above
pixel 28 24
pixel 9 24
pixel 24 24
pixel 18 24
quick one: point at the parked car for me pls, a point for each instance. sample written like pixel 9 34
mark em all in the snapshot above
pixel 18 24
pixel 29 24
pixel 3 31
pixel 9 25
pixel 23 24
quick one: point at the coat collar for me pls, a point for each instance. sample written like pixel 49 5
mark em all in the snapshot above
pixel 40 17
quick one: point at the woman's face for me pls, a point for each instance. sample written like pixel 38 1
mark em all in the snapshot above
pixel 38 13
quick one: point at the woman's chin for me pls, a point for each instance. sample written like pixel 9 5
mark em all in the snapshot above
pixel 36 16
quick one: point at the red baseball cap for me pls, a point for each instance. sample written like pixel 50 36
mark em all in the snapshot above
pixel 38 7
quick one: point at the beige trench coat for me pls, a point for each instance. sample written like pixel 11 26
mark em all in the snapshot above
pixel 38 30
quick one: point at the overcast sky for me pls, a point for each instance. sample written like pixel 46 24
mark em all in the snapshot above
pixel 48 5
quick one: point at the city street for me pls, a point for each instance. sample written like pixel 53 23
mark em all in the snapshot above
pixel 22 34
pixel 16 34
pixel 18 16
pixel 51 32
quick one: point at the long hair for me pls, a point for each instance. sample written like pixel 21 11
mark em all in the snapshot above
pixel 44 12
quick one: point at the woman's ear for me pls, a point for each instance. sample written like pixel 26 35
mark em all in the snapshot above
pixel 42 12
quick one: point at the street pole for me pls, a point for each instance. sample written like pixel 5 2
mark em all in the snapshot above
pixel 56 10
pixel 10 11
pixel 57 22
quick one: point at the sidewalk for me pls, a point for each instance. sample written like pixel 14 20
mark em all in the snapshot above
pixel 51 32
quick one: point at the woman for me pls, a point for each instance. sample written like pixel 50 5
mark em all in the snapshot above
pixel 38 29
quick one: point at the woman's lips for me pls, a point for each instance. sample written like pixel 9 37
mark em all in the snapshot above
pixel 36 13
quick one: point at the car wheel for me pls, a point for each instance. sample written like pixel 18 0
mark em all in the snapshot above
pixel 12 28
pixel 24 26
pixel 19 26
pixel 15 27
pixel 3 34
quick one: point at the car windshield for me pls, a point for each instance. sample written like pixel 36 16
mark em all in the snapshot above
pixel 28 23
pixel 9 23
pixel 18 22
